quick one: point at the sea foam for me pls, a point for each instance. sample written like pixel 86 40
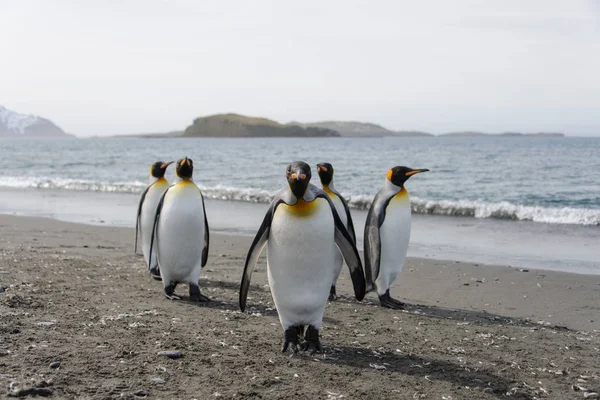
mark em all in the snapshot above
pixel 461 208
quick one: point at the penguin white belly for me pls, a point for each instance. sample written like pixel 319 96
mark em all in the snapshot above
pixel 147 217
pixel 339 207
pixel 180 234
pixel 300 256
pixel 394 236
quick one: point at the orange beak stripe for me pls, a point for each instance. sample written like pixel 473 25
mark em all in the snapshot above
pixel 294 176
pixel 411 173
pixel 303 176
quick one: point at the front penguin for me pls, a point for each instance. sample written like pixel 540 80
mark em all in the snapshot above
pixel 301 230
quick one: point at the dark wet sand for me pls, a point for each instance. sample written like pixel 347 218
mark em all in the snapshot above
pixel 77 295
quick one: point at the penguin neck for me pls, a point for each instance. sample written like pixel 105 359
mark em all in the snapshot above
pixel 154 179
pixel 398 191
pixel 392 187
pixel 329 189
pixel 189 179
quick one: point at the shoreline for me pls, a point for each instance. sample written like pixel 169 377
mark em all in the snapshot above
pixel 82 318
pixel 521 244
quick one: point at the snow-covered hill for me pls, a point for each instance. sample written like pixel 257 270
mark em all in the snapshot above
pixel 14 124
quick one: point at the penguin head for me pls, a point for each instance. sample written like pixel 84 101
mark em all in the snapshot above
pixel 298 176
pixel 158 169
pixel 399 175
pixel 185 168
pixel 325 171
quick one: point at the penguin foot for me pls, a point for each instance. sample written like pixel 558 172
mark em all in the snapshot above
pixel 170 292
pixel 332 294
pixel 195 294
pixel 155 273
pixel 291 338
pixel 312 342
pixel 386 301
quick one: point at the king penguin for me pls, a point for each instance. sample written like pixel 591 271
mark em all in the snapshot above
pixel 325 171
pixel 301 230
pixel 147 210
pixel 387 233
pixel 180 234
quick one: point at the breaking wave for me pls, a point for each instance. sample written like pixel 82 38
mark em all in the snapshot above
pixel 72 184
pixel 460 208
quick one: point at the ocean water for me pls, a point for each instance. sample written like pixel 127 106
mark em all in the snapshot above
pixel 544 180
pixel 523 202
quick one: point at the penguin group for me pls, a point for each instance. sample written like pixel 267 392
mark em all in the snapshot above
pixel 308 234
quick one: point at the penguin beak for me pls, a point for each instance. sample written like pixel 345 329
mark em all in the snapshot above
pixel 165 165
pixel 416 171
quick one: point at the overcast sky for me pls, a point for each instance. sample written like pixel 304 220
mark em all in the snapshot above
pixel 111 67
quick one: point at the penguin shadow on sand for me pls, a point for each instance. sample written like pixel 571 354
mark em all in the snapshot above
pixel 459 315
pixel 424 367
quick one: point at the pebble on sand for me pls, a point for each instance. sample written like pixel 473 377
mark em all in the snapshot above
pixel 33 392
pixel 170 353
pixel 158 381
pixel 141 393
pixel 55 364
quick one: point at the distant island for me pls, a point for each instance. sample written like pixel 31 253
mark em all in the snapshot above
pixel 14 125
pixel 235 125
pixel 359 129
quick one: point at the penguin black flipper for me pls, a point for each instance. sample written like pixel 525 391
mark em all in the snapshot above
pixel 156 218
pixel 206 235
pixel 372 239
pixel 257 246
pixel 347 246
pixel 139 216
pixel 348 216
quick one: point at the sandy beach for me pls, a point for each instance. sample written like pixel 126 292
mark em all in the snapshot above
pixel 81 318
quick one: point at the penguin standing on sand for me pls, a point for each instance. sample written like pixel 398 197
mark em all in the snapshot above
pixel 301 231
pixel 180 234
pixel 325 171
pixel 147 210
pixel 387 233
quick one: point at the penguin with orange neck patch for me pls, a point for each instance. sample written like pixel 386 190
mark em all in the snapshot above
pixel 181 235
pixel 147 210
pixel 387 233
pixel 325 171
pixel 302 233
